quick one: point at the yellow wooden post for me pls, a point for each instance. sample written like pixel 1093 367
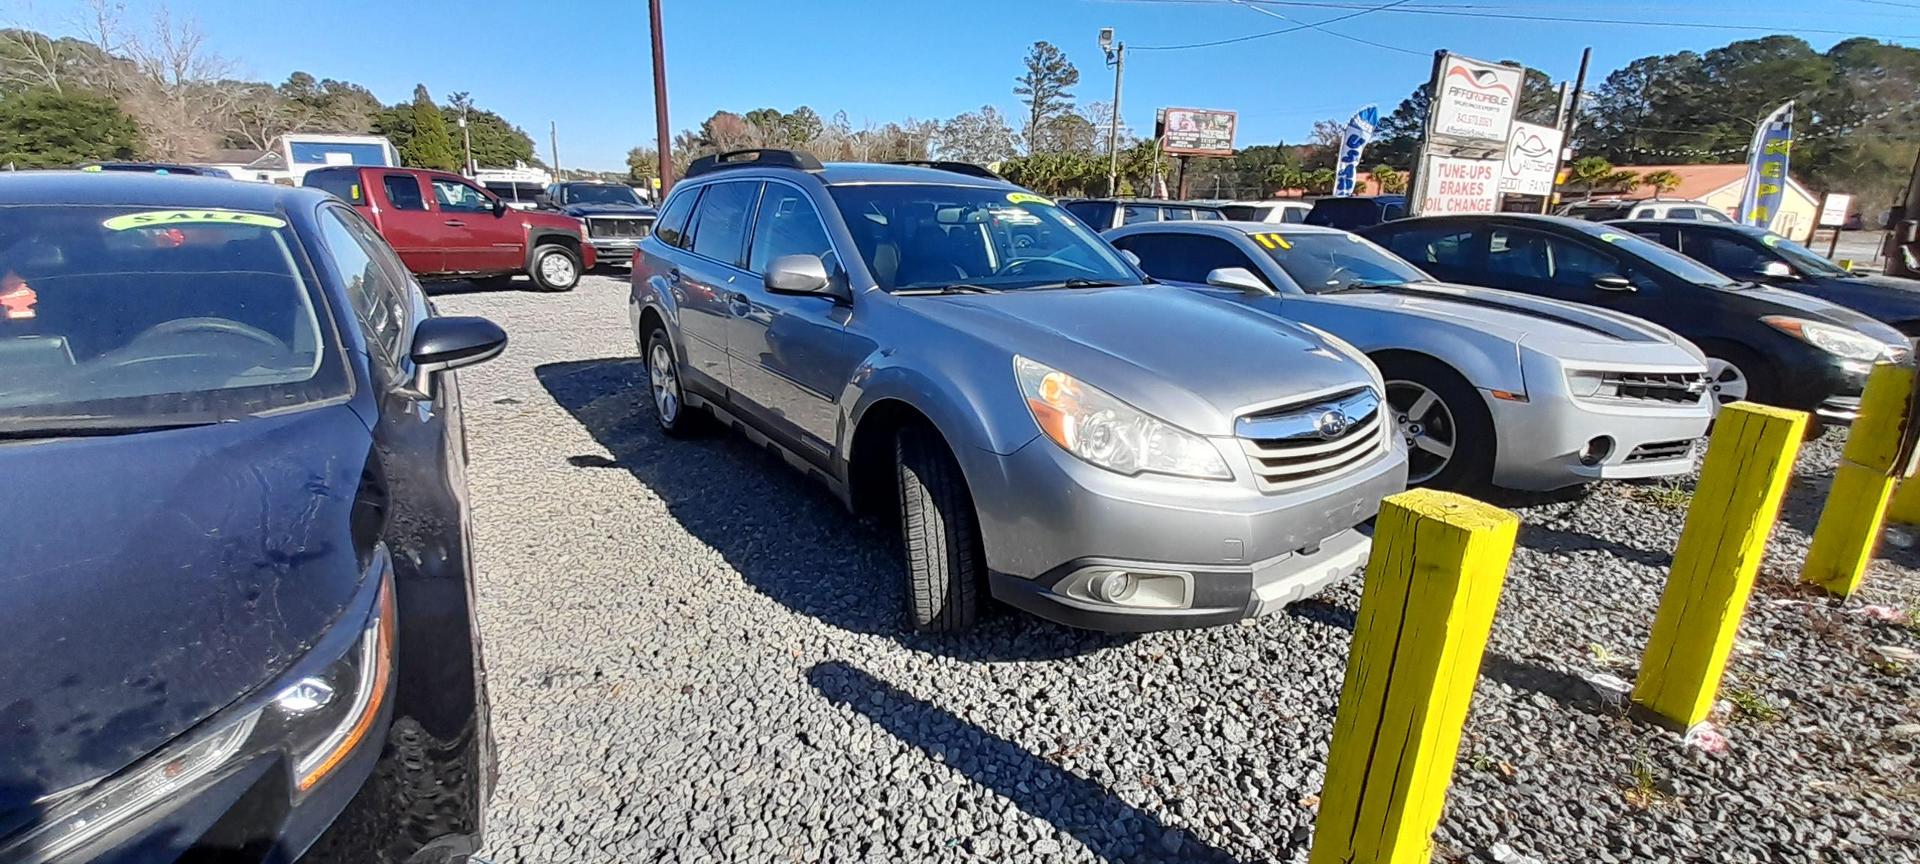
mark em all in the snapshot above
pixel 1904 509
pixel 1742 480
pixel 1432 583
pixel 1856 505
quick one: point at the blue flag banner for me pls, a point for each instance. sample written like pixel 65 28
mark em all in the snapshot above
pixel 1359 133
pixel 1767 162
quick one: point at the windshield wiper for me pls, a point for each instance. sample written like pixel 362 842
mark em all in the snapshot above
pixel 1353 284
pixel 76 427
pixel 1078 282
pixel 936 290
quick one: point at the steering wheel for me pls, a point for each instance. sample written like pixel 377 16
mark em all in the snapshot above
pixel 219 326
pixel 1018 267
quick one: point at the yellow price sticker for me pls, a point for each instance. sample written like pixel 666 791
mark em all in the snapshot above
pixel 160 218
pixel 1272 241
pixel 1611 237
pixel 1027 198
pixel 1770 240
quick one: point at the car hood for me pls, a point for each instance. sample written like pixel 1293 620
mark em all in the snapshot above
pixel 1507 314
pixel 152 579
pixel 1808 306
pixel 1192 360
pixel 608 210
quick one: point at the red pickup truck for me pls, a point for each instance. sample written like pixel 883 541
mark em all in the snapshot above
pixel 446 226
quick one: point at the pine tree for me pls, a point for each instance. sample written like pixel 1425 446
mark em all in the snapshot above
pixel 431 146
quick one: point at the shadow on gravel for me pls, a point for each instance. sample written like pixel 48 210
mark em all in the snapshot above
pixel 1071 803
pixel 1544 539
pixel 788 537
pixel 445 287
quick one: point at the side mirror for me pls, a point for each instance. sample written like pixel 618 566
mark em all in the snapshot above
pixel 499 207
pixel 799 274
pixel 1613 282
pixel 1131 258
pixel 1776 270
pixel 1239 279
pixel 442 343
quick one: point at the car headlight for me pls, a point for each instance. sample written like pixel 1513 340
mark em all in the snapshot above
pixel 1586 385
pixel 1838 341
pixel 315 717
pixel 1107 432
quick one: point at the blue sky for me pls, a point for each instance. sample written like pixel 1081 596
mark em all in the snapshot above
pixel 585 64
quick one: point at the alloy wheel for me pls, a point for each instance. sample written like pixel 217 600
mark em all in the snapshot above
pixel 665 382
pixel 1726 381
pixel 1426 424
pixel 557 268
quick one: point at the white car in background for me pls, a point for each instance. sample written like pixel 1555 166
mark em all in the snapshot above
pixel 1610 209
pixel 1272 211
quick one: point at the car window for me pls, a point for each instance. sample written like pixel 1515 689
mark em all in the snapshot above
pixel 720 222
pixel 599 193
pixel 1527 254
pixel 1181 257
pixel 459 197
pixel 1683 213
pixel 1182 214
pixel 345 185
pixel 788 225
pixel 1099 214
pixel 1293 214
pixel 1434 247
pixel 1644 213
pixel 376 301
pixel 1204 215
pixel 115 316
pixel 671 227
pixel 1139 213
pixel 1245 212
pixel 927 236
pixel 1714 216
pixel 1729 255
pixel 403 191
pixel 1325 262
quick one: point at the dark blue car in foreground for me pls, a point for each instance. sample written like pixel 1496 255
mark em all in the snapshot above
pixel 236 600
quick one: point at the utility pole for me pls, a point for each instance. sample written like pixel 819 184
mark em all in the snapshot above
pixel 1569 124
pixel 664 144
pixel 466 138
pixel 1117 58
pixel 553 138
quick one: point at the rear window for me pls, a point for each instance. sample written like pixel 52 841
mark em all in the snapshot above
pixel 345 185
pixel 132 316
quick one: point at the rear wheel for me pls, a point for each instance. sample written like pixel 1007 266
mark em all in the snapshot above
pixel 1448 430
pixel 1735 374
pixel 670 409
pixel 944 557
pixel 555 268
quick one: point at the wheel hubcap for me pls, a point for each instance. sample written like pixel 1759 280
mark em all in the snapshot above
pixel 1426 424
pixel 557 269
pixel 665 383
pixel 1726 381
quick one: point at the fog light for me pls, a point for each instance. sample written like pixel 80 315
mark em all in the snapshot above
pixel 1114 586
pixel 1596 451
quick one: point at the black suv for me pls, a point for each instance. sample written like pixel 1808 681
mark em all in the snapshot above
pixel 616 216
pixel 1353 213
pixel 1769 345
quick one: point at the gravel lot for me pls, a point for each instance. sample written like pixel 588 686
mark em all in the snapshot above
pixel 695 656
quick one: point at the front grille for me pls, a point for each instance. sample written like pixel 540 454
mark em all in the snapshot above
pixel 1298 445
pixel 1677 388
pixel 618 227
pixel 1661 450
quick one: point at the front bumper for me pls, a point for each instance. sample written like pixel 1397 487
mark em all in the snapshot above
pixel 1049 520
pixel 615 250
pixel 1540 441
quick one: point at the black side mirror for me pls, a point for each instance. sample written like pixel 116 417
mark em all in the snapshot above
pixel 800 274
pixel 442 343
pixel 499 207
pixel 1613 282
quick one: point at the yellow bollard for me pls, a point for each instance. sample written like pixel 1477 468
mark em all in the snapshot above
pixel 1432 583
pixel 1856 505
pixel 1904 509
pixel 1742 481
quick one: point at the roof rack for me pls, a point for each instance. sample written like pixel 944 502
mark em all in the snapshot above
pixel 759 157
pixel 967 168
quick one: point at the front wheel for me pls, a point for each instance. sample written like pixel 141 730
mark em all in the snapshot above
pixel 945 559
pixel 1734 375
pixel 1448 430
pixel 555 268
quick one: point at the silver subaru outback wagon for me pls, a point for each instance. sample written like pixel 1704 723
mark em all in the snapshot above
pixel 1049 427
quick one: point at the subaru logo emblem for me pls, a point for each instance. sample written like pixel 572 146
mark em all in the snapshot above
pixel 1330 424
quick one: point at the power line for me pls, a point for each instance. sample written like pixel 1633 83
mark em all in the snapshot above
pixel 1471 11
pixel 1254 36
pixel 1272 14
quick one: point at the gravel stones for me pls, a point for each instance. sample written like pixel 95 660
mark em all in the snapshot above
pixel 695 655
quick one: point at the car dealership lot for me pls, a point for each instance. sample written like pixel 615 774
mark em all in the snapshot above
pixel 694 655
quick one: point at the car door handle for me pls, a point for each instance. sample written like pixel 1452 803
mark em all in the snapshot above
pixel 455 223
pixel 741 304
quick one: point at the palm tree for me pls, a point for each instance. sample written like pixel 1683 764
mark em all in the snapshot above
pixel 1662 181
pixel 1622 180
pixel 1282 176
pixel 1590 172
pixel 1391 182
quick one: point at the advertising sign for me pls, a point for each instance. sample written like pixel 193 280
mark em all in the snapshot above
pixel 1532 156
pixel 1457 185
pixel 1473 102
pixel 1767 160
pixel 1833 210
pixel 1199 132
pixel 1359 132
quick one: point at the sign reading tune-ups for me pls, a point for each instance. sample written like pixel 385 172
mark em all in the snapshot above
pixel 1460 186
pixel 1474 101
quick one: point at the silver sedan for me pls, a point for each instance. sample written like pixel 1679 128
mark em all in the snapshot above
pixel 1487 386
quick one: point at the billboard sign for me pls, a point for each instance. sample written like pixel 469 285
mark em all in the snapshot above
pixel 1532 155
pixel 1833 210
pixel 1456 185
pixel 1199 132
pixel 1474 101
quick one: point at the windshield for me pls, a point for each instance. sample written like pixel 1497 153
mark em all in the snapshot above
pixel 1320 263
pixel 114 316
pixel 599 194
pixel 1803 258
pixel 1666 259
pixel 923 236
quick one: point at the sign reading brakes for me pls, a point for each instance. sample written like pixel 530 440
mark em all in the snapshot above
pixel 158 218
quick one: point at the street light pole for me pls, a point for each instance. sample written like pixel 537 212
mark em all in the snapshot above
pixel 664 143
pixel 466 137
pixel 1117 58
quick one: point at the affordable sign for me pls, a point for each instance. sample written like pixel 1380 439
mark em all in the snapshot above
pixel 1474 101
pixel 1455 185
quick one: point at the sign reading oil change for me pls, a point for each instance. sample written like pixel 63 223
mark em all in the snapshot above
pixel 168 218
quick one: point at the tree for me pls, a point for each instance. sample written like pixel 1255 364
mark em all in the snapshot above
pixel 1282 176
pixel 1044 88
pixel 46 128
pixel 429 146
pixel 1391 182
pixel 1319 181
pixel 1589 173
pixel 982 137
pixel 1067 133
pixel 496 142
pixel 1621 180
pixel 643 166
pixel 1662 181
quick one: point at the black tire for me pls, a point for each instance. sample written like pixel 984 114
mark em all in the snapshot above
pixel 554 278
pixel 940 533
pixel 683 420
pixel 1470 467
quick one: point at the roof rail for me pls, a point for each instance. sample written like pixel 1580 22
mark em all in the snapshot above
pixel 967 168
pixel 759 157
